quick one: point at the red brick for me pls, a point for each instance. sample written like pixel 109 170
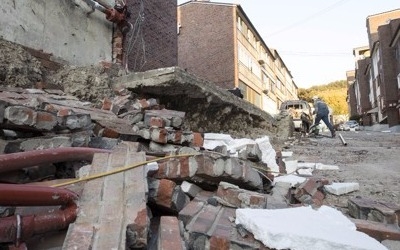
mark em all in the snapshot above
pixel 198 140
pixel 310 186
pixel 377 230
pixel 45 120
pixel 173 169
pixel 169 234
pixel 184 167
pixel 219 243
pixel 190 211
pixel 144 103
pixel 137 232
pixel 61 112
pixel 318 195
pixel 80 236
pixel 158 135
pixel 241 198
pixel 207 167
pixel 205 219
pixel 157 122
pixel 162 171
pixel 165 192
pixel 106 104
pixel 175 137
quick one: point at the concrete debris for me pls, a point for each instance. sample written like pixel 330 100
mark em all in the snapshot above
pixel 342 188
pixel 305 228
pixel 182 158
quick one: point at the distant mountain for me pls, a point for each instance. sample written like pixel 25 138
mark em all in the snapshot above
pixel 334 94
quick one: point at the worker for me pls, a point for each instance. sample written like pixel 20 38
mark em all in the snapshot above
pixel 322 113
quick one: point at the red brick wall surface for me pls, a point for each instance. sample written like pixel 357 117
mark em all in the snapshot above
pixel 206 42
pixel 155 45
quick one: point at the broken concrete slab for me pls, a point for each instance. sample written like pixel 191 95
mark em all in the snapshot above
pixel 337 188
pixel 291 179
pixel 305 228
pixel 180 90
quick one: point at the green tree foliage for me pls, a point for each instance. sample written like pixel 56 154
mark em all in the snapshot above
pixel 334 94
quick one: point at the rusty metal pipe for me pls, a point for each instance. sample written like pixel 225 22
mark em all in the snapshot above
pixel 342 139
pixel 15 161
pixel 18 228
pixel 96 5
pixel 31 195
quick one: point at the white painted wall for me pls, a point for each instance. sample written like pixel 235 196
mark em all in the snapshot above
pixel 59 27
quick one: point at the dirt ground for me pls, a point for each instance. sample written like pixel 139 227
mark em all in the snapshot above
pixel 370 158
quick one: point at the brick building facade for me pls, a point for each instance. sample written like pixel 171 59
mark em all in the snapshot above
pixel 378 73
pixel 153 42
pixel 217 42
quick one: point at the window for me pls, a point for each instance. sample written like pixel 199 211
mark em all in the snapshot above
pixel 243 88
pixel 239 24
pixel 250 95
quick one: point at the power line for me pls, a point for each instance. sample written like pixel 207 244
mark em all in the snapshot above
pixel 329 8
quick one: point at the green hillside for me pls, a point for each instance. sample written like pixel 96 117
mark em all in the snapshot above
pixel 334 94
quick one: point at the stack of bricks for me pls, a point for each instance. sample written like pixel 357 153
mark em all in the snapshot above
pixel 151 121
pixel 112 210
pixel 380 220
pixel 123 118
pixel 310 192
pixel 211 170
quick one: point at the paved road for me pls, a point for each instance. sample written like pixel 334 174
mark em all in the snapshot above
pixel 370 158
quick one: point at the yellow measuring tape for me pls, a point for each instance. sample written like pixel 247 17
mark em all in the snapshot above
pixel 119 170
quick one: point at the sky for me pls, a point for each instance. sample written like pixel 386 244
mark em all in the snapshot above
pixel 314 38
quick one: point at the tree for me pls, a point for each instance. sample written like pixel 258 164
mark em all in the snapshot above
pixel 334 94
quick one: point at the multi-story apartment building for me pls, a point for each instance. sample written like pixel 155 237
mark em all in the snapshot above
pixel 351 93
pixel 383 76
pixel 359 101
pixel 377 77
pixel 218 42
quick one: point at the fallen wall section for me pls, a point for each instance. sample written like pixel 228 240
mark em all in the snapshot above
pixel 208 107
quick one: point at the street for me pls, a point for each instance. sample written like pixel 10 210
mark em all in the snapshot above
pixel 370 158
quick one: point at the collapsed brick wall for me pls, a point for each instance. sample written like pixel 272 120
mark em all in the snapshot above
pixel 154 43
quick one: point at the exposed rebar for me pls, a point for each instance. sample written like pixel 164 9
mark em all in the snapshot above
pixel 342 139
